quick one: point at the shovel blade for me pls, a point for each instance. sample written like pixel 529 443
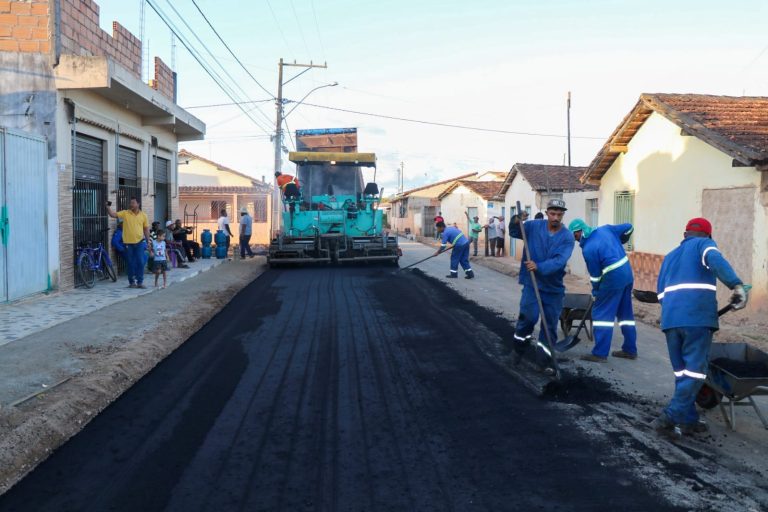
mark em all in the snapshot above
pixel 566 344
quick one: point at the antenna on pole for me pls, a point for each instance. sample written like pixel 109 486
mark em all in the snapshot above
pixel 569 128
pixel 173 51
pixel 142 23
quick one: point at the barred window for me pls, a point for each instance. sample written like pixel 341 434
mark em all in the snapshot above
pixel 258 209
pixel 217 206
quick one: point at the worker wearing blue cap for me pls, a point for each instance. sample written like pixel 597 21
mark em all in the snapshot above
pixel 611 276
pixel 460 245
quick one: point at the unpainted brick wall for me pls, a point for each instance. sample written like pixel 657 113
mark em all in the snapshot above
pixel 25 26
pixel 163 82
pixel 81 35
pixel 646 267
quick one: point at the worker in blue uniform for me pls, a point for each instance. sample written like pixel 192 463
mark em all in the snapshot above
pixel 611 276
pixel 687 292
pixel 451 237
pixel 550 244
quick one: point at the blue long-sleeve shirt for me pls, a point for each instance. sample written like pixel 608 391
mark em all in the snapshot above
pixel 607 263
pixel 550 252
pixel 687 284
pixel 453 235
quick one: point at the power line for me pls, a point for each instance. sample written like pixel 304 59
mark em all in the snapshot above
pixel 448 125
pixel 317 27
pixel 230 50
pixel 231 104
pixel 214 76
pixel 279 28
pixel 301 31
pixel 210 53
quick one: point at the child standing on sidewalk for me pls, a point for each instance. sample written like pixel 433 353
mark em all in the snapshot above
pixel 160 252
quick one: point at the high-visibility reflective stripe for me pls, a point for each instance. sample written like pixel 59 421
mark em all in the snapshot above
pixel 687 286
pixel 627 322
pixel 693 375
pixel 454 271
pixel 704 255
pixel 629 231
pixel 544 348
pixel 468 270
pixel 457 237
pixel 612 266
pixel 520 338
pixel 600 323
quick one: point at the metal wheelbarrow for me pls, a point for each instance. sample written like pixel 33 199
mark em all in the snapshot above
pixel 737 372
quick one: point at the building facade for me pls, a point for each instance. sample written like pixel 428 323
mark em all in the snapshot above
pixel 679 156
pixel 78 128
pixel 206 188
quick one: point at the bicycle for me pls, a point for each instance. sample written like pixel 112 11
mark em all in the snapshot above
pixel 93 260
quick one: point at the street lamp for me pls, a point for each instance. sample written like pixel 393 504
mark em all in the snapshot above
pixel 334 84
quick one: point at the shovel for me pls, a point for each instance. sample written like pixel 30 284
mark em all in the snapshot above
pixel 420 261
pixel 569 342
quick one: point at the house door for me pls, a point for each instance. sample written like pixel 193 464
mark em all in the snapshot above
pixel 23 217
pixel 731 228
pixel 89 215
pixel 428 221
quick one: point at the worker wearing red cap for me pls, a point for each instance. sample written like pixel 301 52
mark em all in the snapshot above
pixel 687 292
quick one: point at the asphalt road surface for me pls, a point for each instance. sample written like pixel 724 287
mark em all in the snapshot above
pixel 344 389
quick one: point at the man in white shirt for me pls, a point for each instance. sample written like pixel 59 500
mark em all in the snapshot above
pixel 224 226
pixel 492 234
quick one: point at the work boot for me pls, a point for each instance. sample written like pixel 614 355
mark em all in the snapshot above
pixel 469 275
pixel 664 425
pixel 452 276
pixel 623 355
pixel 592 358
pixel 700 427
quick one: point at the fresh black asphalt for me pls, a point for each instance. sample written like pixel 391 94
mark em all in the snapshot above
pixel 334 389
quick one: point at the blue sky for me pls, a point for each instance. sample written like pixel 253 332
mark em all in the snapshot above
pixel 495 64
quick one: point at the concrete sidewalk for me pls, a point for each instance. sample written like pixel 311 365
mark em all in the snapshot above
pixel 649 379
pixel 40 312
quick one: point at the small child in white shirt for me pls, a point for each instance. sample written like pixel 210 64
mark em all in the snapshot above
pixel 160 251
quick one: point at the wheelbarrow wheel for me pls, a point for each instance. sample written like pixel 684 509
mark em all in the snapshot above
pixel 708 398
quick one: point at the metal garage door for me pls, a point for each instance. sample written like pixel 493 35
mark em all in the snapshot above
pixel 23 202
pixel 127 177
pixel 162 195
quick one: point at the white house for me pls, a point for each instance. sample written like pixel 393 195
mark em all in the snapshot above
pixel 414 210
pixel 679 156
pixel 533 185
pixel 475 198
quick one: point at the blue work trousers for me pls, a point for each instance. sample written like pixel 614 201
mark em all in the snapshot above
pixel 689 353
pixel 460 256
pixel 529 314
pixel 135 259
pixel 613 305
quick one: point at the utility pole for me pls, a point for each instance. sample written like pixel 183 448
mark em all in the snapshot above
pixel 569 128
pixel 279 135
pixel 401 185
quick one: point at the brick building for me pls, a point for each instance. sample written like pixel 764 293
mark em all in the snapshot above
pixel 78 126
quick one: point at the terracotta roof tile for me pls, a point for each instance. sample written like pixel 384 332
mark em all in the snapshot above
pixel 485 189
pixel 736 125
pixel 213 190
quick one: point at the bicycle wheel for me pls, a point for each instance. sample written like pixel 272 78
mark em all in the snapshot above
pixel 107 268
pixel 85 270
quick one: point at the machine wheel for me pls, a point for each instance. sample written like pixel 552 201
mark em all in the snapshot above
pixel 708 398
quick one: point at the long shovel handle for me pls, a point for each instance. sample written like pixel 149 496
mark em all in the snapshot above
pixel 550 345
pixel 425 259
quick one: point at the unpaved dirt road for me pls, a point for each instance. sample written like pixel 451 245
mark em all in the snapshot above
pixel 335 389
